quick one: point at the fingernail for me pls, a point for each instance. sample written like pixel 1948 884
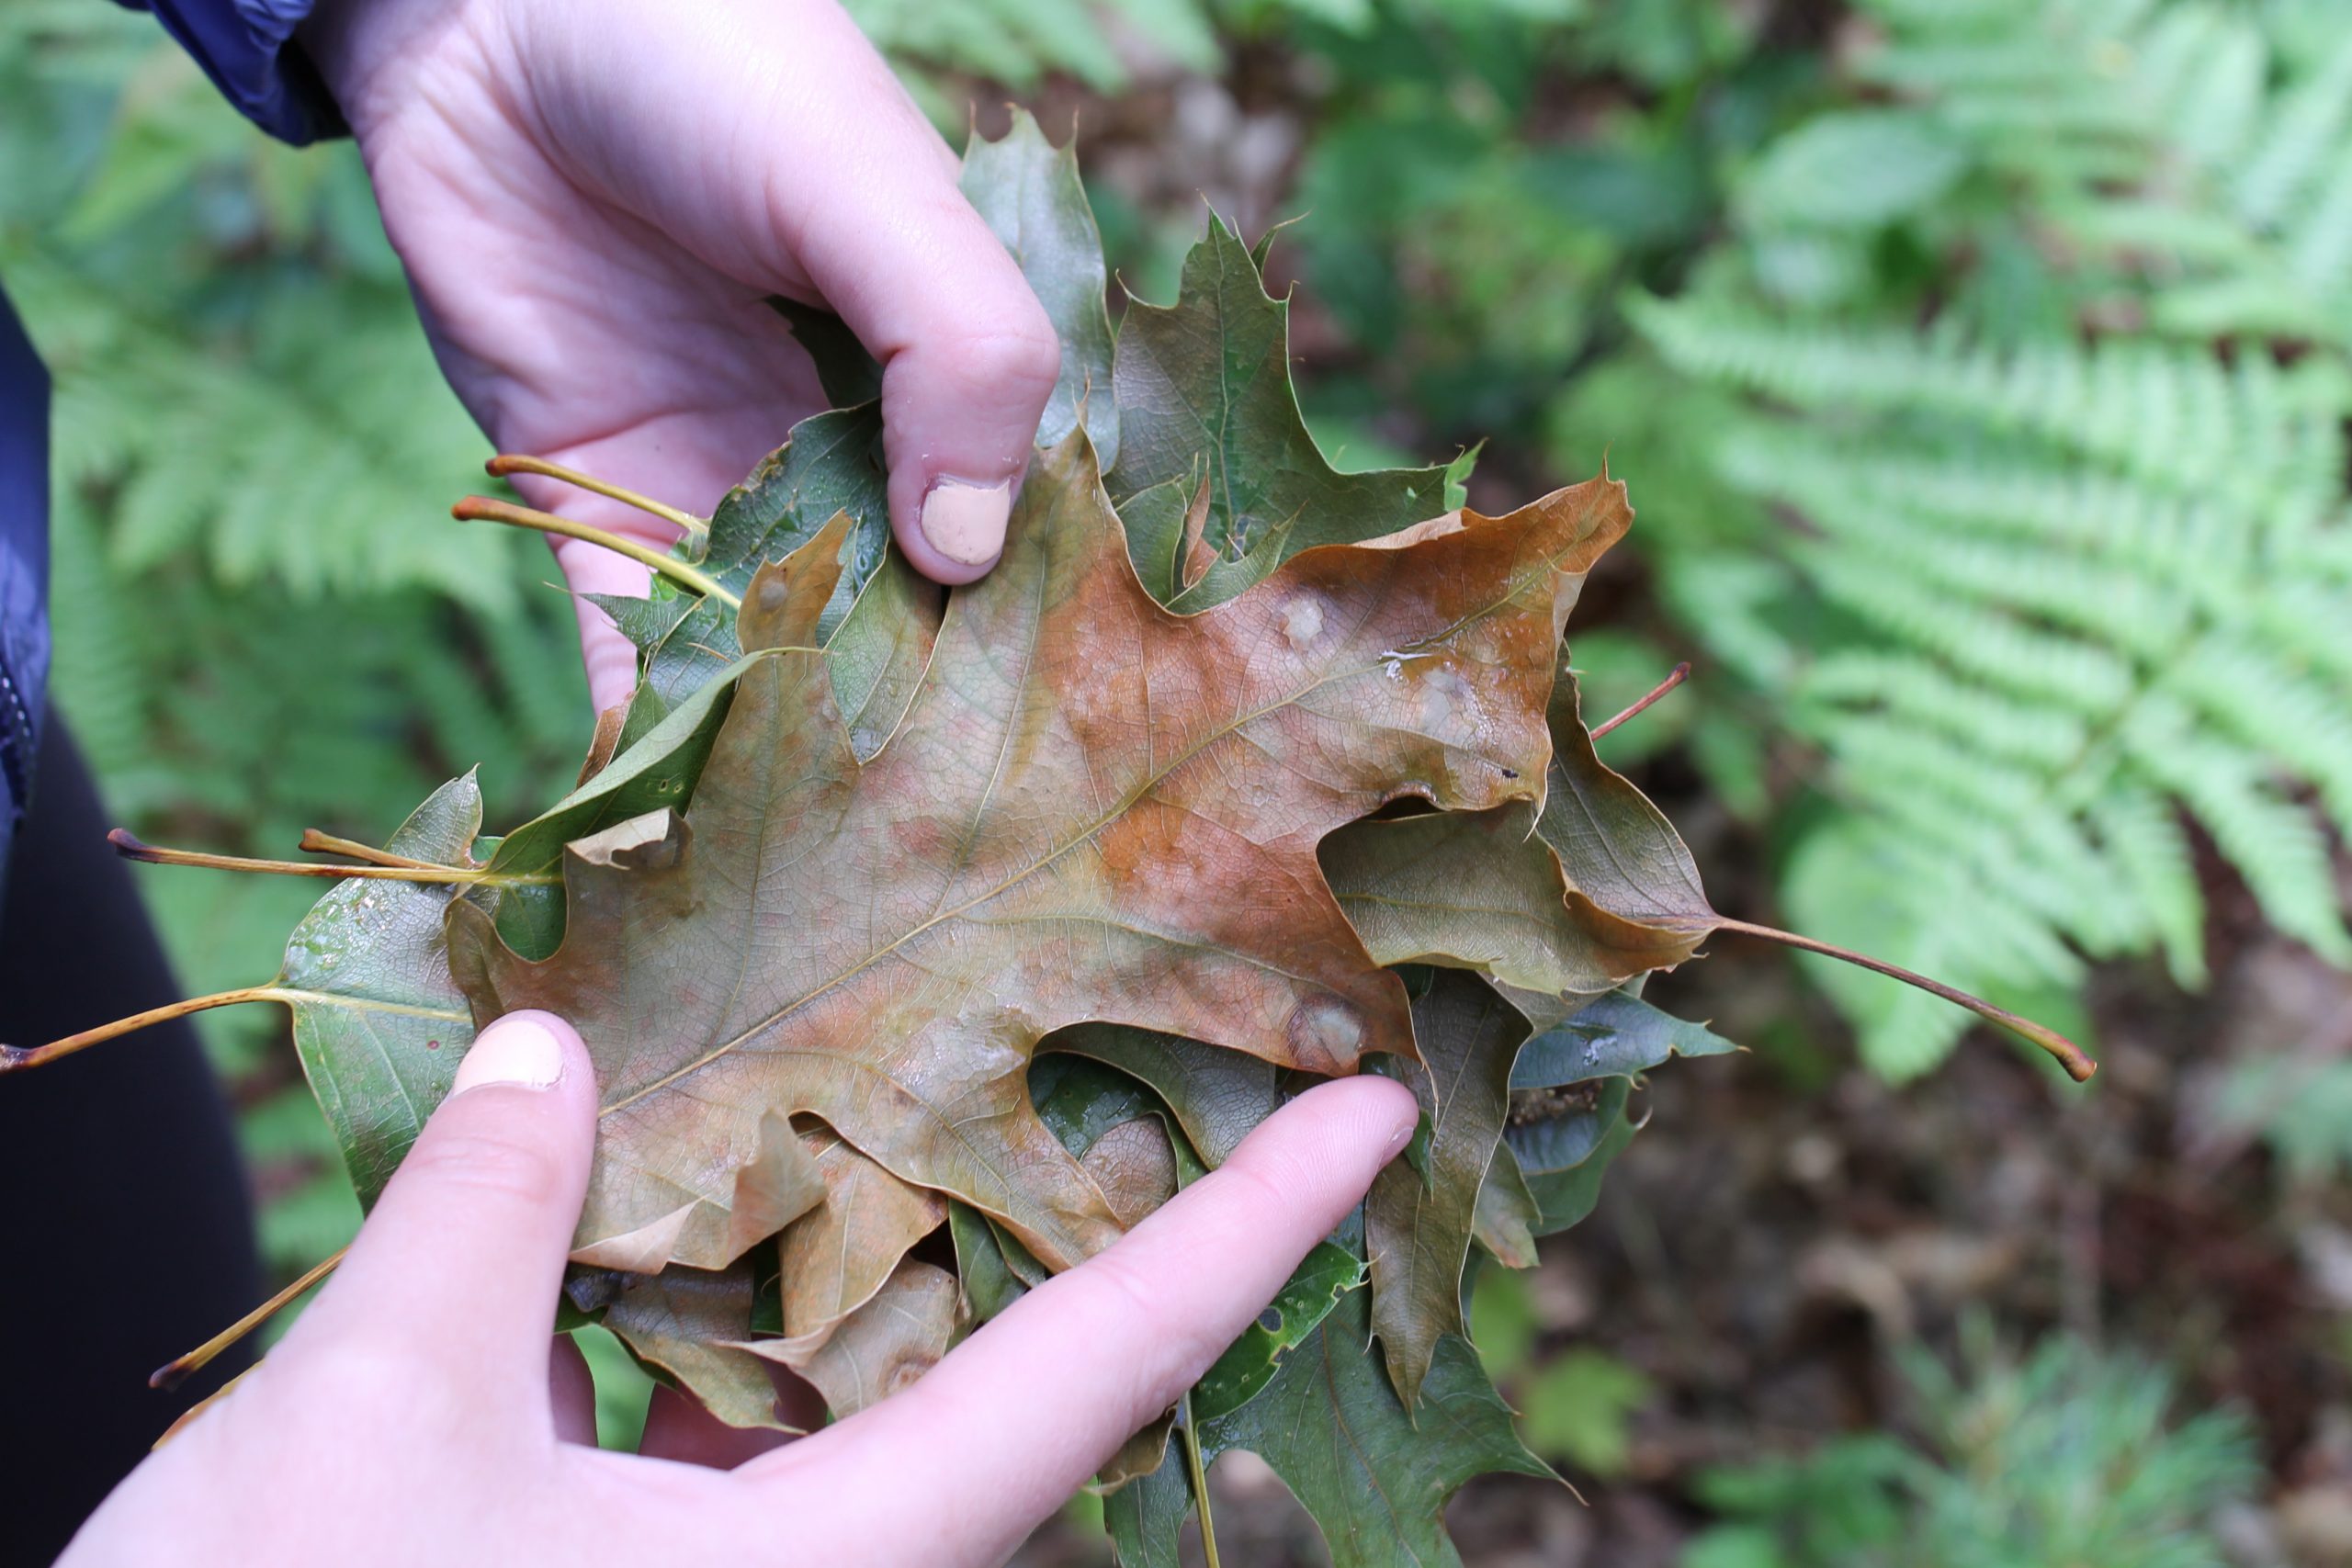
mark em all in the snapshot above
pixel 1399 1138
pixel 517 1051
pixel 966 522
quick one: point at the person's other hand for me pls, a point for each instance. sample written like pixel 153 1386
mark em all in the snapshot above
pixel 593 197
pixel 407 1416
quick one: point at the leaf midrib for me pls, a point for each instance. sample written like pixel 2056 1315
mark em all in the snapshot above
pixel 1513 587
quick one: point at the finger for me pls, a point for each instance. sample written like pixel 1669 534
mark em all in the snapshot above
pixel 838 188
pixel 571 1393
pixel 1023 1414
pixel 449 1290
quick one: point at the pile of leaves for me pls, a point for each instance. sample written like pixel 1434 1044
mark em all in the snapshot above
pixel 926 942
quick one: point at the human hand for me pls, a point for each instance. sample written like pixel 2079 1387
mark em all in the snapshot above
pixel 407 1416
pixel 591 198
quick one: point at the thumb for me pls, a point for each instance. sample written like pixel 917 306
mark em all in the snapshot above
pixel 878 227
pixel 960 405
pixel 454 1276
pixel 968 355
pixel 773 143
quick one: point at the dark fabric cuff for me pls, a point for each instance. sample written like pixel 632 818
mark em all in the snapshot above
pixel 24 566
pixel 247 47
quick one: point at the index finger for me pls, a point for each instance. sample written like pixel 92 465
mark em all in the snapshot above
pixel 1017 1419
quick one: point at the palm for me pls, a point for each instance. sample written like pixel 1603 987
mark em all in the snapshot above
pixel 593 196
pixel 576 330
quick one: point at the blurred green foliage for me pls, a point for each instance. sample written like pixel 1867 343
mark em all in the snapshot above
pixel 2038 375
pixel 1980 373
pixel 264 621
pixel 2298 1106
pixel 2066 1456
pixel 1576 1407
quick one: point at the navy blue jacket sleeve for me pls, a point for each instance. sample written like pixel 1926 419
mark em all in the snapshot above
pixel 24 566
pixel 247 47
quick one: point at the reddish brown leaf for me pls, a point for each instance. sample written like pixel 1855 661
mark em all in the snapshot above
pixel 879 1348
pixel 1093 809
pixel 836 1256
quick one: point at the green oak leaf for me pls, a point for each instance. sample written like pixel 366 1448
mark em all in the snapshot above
pixel 1028 192
pixel 658 769
pixel 1116 1127
pixel 1614 1036
pixel 983 1274
pixel 379 1023
pixel 831 463
pixel 1375 1478
pixel 1563 1198
pixel 1204 391
pixel 1418 1224
pixel 1554 1130
pixel 1249 1363
pixel 1216 1095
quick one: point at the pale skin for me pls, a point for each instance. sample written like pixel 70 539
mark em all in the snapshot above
pixel 594 197
pixel 409 1418
pixel 591 197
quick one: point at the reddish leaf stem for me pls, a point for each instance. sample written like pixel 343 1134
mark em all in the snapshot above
pixel 172 1373
pixel 1680 673
pixel 482 509
pixel 507 462
pixel 15 1057
pixel 2070 1056
pixel 317 843
pixel 131 848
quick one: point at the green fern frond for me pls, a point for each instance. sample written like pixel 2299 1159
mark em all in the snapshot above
pixel 2145 842
pixel 2051 599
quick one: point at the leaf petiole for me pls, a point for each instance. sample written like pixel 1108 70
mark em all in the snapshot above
pixel 1200 1478
pixel 2071 1056
pixel 317 843
pixel 174 1372
pixel 507 462
pixel 382 869
pixel 1675 677
pixel 482 509
pixel 15 1057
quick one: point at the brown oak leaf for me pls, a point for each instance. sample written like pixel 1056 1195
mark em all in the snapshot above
pixel 1095 809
